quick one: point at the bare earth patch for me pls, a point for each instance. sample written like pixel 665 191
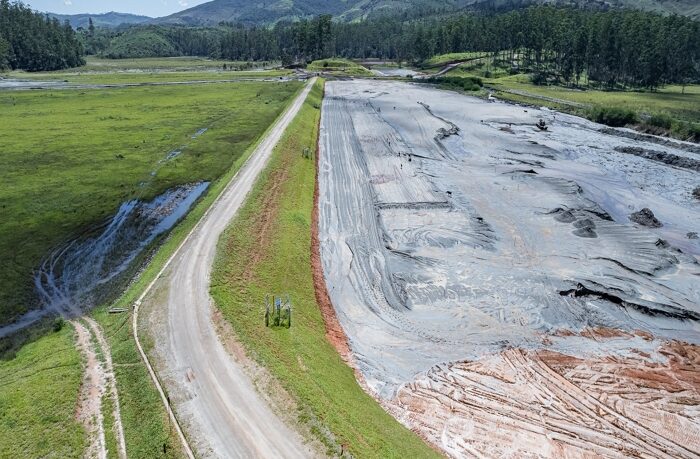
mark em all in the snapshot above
pixel 546 404
pixel 89 409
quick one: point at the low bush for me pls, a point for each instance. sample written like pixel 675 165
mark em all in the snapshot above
pixel 468 83
pixel 688 131
pixel 612 116
pixel 661 120
pixel 58 324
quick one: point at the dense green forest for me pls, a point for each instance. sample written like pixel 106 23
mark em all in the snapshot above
pixel 612 48
pixel 616 48
pixel 34 42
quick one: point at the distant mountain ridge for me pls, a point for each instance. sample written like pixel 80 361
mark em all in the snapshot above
pixel 265 12
pixel 268 12
pixel 111 19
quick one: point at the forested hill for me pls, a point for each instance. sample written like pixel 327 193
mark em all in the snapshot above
pixel 31 41
pixel 111 19
pixel 265 12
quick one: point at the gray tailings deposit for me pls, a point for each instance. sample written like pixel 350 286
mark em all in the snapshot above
pixel 82 273
pixel 452 230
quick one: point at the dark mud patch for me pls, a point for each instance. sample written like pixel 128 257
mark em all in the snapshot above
pixel 563 215
pixel 662 157
pixel 646 307
pixel 651 139
pixel 645 217
pixel 585 227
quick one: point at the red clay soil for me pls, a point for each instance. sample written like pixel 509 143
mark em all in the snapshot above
pixel 544 404
pixel 334 332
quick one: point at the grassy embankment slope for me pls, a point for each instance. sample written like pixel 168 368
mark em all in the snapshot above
pixel 338 66
pixel 444 59
pixel 267 250
pixel 672 108
pixel 69 176
pixel 150 64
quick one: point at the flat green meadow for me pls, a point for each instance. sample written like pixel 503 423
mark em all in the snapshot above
pixel 38 395
pixel 70 158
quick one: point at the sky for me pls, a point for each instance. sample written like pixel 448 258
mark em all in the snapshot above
pixel 153 8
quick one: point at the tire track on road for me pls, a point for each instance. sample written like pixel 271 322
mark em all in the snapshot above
pixel 216 402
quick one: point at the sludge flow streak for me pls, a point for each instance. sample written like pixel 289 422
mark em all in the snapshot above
pixel 461 244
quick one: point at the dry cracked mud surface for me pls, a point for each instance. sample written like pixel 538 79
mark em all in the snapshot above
pixel 497 298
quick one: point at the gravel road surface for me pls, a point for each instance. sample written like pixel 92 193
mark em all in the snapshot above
pixel 215 401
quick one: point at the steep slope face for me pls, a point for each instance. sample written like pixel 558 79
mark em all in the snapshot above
pixel 272 11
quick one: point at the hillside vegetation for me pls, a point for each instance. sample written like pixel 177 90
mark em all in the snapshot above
pixel 32 41
pixel 111 19
pixel 259 13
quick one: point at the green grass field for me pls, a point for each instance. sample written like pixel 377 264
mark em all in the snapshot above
pixel 189 63
pixel 669 100
pixel 68 176
pixel 38 395
pixel 678 107
pixel 95 150
pixel 147 76
pixel 269 252
pixel 338 66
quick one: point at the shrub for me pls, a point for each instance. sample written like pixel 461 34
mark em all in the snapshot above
pixel 469 83
pixel 661 120
pixel 58 324
pixel 612 116
pixel 538 78
pixel 688 131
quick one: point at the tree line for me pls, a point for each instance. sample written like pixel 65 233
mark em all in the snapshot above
pixel 34 42
pixel 611 48
pixel 605 48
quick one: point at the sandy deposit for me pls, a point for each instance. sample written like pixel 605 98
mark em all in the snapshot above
pixel 463 248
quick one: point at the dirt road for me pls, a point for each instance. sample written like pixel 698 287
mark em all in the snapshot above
pixel 215 401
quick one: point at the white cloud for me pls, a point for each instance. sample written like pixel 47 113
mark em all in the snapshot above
pixel 181 2
pixel 67 2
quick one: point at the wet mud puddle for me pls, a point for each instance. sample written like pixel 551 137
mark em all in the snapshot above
pixel 478 264
pixel 90 268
